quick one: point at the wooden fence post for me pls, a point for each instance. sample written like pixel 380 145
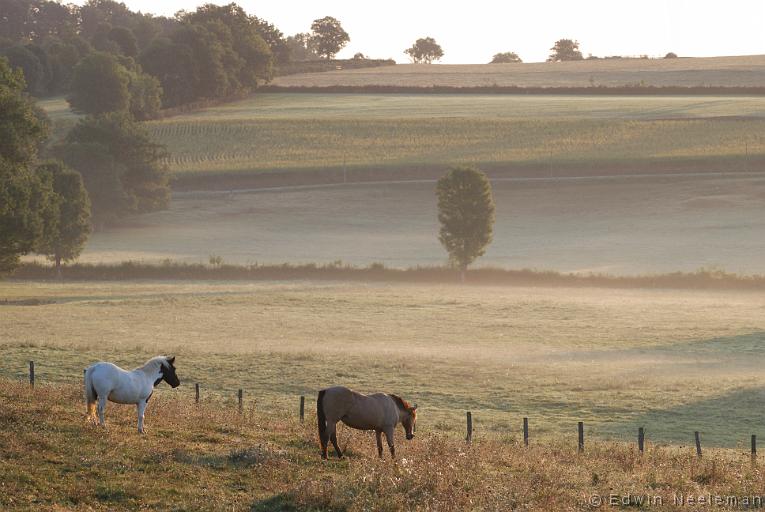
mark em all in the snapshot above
pixel 698 443
pixel 32 373
pixel 302 408
pixel 196 392
pixel 469 437
pixel 525 431
pixel 580 428
pixel 641 439
pixel 241 401
pixel 754 447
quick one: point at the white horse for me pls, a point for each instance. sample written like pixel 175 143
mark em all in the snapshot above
pixel 107 381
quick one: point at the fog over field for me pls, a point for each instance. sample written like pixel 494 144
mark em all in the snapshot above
pixel 611 225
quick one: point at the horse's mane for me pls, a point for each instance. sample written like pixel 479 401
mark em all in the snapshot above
pixel 402 404
pixel 157 361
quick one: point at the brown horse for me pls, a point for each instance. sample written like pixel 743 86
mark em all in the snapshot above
pixel 380 412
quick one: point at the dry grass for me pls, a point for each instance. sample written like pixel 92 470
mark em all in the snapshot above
pixel 670 361
pixel 211 458
pixel 716 71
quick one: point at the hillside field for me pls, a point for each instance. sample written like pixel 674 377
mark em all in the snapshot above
pixel 670 361
pixel 406 136
pixel 738 71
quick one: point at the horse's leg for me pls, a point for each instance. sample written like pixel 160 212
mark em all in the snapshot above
pixel 332 430
pixel 324 439
pixel 389 438
pixel 101 409
pixel 141 406
pixel 378 435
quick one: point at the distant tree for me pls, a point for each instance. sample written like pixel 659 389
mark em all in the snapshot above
pixel 273 37
pixel 24 58
pixel 24 200
pixel 505 58
pixel 565 49
pixel 100 84
pixel 425 50
pixel 300 47
pixel 328 37
pixel 466 214
pixel 102 177
pixel 174 66
pixel 144 177
pixel 671 55
pixel 359 56
pixel 145 93
pixel 65 233
pixel 125 39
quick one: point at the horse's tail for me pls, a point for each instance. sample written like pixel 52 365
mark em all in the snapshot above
pixel 321 418
pixel 90 392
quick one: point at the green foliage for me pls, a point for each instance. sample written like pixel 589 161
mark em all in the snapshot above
pixel 174 66
pixel 23 198
pixel 67 225
pixel 144 177
pixel 424 51
pixel 565 49
pixel 23 58
pixel 100 84
pixel 505 58
pixel 671 55
pixel 145 95
pixel 328 37
pixel 125 39
pixel 300 48
pixel 466 214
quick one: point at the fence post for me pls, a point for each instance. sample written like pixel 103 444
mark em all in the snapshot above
pixel 31 373
pixel 196 393
pixel 469 437
pixel 641 439
pixel 698 443
pixel 302 408
pixel 580 428
pixel 241 404
pixel 525 431
pixel 754 447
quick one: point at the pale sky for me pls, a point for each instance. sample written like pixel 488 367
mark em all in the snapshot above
pixel 471 32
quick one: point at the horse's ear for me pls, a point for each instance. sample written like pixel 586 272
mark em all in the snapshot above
pixel 414 407
pixel 171 360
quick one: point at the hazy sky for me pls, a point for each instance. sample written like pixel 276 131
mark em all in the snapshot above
pixel 471 32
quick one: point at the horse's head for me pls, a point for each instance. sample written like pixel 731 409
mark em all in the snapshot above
pixel 409 420
pixel 168 372
pixel 407 415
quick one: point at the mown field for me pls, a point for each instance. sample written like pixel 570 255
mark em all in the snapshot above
pixel 620 226
pixel 739 71
pixel 406 135
pixel 670 361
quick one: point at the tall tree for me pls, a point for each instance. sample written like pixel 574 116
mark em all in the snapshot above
pixel 100 84
pixel 466 214
pixel 425 50
pixel 24 200
pixel 328 36
pixel 564 50
pixel 145 177
pixel 64 235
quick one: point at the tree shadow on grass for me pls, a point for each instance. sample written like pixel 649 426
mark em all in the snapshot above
pixel 726 420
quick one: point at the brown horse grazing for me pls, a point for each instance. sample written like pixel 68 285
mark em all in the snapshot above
pixel 379 412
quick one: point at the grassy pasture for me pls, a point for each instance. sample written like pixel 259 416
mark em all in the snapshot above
pixel 210 458
pixel 736 71
pixel 617 226
pixel 671 361
pixel 406 132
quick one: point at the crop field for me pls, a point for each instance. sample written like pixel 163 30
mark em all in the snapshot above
pixel 690 72
pixel 405 133
pixel 622 226
pixel 408 134
pixel 670 361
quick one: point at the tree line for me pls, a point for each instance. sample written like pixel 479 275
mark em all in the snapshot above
pixel 150 62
